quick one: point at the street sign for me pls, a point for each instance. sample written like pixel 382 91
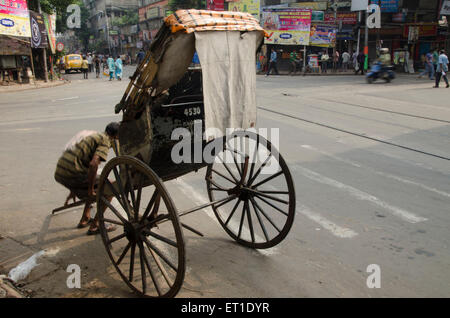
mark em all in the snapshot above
pixel 359 5
pixel 60 46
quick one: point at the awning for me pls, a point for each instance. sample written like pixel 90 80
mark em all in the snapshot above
pixel 205 20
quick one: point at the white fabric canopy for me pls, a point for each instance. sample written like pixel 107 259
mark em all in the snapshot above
pixel 228 61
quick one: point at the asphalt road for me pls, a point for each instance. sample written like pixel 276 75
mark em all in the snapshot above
pixel 371 170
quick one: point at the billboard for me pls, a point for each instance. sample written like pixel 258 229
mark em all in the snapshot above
pixel 251 6
pixel 289 26
pixel 323 35
pixel 216 5
pixel 38 31
pixel 50 26
pixel 390 6
pixel 14 18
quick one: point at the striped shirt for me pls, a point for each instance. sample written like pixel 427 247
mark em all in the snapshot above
pixel 74 162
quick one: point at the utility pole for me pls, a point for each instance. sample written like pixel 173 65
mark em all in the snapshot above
pixel 44 52
pixel 335 8
pixel 366 45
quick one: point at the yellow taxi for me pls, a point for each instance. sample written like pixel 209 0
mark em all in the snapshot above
pixel 72 62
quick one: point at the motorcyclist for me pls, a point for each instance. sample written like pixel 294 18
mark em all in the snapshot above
pixel 385 59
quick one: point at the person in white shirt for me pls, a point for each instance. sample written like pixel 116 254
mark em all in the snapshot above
pixel 345 60
pixel 90 60
pixel 442 69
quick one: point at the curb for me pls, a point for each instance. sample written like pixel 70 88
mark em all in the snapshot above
pixel 19 87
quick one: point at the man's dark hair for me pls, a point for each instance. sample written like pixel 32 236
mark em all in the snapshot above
pixel 112 129
pixel 442 52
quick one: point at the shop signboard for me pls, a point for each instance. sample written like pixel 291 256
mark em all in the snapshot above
pixel 14 18
pixel 38 31
pixel 287 26
pixel 317 16
pixel 344 17
pixel 319 6
pixel 389 6
pixel 251 6
pixel 50 25
pixel 216 5
pixel 323 35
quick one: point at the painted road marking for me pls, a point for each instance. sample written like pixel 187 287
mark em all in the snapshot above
pixel 360 195
pixel 335 229
pixel 387 175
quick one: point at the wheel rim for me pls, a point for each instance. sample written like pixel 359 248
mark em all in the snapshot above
pixel 263 211
pixel 147 248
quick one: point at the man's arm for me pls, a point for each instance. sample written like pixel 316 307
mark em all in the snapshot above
pixel 92 174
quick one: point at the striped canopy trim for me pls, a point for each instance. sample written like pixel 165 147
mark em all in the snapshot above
pixel 205 20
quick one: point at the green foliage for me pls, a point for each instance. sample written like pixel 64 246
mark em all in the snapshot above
pixel 130 18
pixel 186 4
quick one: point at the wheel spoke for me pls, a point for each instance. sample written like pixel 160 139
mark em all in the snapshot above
pixel 160 254
pixel 113 222
pixel 268 219
pixel 250 182
pixel 138 198
pixel 133 249
pixel 228 169
pixel 155 282
pixel 129 185
pixel 260 194
pixel 127 207
pixel 113 209
pixel 250 224
pixel 149 206
pixel 116 194
pixel 259 220
pixel 236 163
pixel 232 212
pixel 143 275
pixel 119 237
pixel 242 221
pixel 253 163
pixel 274 192
pixel 161 268
pixel 272 205
pixel 123 253
pixel 162 238
pixel 225 202
pixel 233 182
pixel 269 178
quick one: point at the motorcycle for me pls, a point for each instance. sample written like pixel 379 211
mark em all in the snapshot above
pixel 379 72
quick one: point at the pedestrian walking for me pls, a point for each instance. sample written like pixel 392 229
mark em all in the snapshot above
pixel 294 60
pixel 435 59
pixel 111 67
pixel 336 57
pixel 324 59
pixel 345 61
pixel 428 65
pixel 85 67
pixel 90 64
pixel 77 169
pixel 360 65
pixel 140 57
pixel 442 69
pixel 273 63
pixel 97 63
pixel 119 68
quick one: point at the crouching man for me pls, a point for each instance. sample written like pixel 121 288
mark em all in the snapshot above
pixel 77 169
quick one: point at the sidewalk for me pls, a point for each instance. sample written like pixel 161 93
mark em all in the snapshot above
pixel 15 87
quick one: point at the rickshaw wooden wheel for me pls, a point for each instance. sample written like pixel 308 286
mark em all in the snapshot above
pixel 147 249
pixel 263 212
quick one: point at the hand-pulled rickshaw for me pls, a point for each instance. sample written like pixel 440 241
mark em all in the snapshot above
pixel 248 182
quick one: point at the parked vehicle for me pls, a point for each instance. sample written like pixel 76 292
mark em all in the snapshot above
pixel 378 71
